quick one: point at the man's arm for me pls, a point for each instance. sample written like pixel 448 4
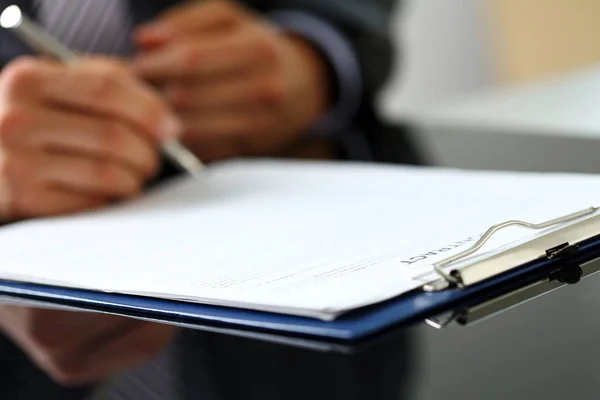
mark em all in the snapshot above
pixel 354 38
pixel 363 23
pixel 320 88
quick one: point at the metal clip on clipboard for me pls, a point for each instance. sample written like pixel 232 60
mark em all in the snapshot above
pixel 562 240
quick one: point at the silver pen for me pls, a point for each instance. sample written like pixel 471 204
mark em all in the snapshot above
pixel 36 37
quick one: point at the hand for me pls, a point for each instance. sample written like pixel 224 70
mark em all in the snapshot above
pixel 77 348
pixel 75 137
pixel 239 87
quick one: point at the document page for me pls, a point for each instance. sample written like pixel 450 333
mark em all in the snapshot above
pixel 315 239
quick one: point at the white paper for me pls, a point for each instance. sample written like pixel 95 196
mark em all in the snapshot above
pixel 313 239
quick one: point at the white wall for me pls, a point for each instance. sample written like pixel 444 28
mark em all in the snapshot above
pixel 444 47
pixel 446 55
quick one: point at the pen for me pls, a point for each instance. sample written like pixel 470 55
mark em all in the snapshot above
pixel 41 41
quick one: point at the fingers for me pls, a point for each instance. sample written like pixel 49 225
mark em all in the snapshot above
pixel 26 199
pixel 80 348
pixel 75 137
pixel 21 79
pixel 100 87
pixel 213 55
pixel 53 131
pixel 126 350
pixel 51 184
pixel 221 134
pixel 87 176
pixel 233 92
pixel 229 124
pixel 194 17
pixel 110 90
pixel 56 202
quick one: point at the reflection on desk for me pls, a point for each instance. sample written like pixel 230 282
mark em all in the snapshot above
pixel 542 350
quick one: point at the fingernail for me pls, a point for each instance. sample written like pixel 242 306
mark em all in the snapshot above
pixel 170 128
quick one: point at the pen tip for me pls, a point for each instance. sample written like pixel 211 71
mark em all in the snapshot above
pixel 197 169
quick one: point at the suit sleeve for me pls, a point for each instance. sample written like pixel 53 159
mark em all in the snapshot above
pixel 363 23
pixel 354 35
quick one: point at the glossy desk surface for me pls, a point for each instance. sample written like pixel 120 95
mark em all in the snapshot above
pixel 544 349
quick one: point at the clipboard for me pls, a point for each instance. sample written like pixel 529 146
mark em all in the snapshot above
pixel 566 254
pixel 465 289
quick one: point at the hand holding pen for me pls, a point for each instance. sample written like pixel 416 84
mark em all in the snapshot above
pixel 12 18
pixel 76 137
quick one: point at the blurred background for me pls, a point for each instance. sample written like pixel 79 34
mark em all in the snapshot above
pixel 500 84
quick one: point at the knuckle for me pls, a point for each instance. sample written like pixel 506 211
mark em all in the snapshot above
pixel 274 91
pixel 115 140
pixel 189 57
pixel 155 112
pixel 12 123
pixel 108 66
pixel 111 137
pixel 106 174
pixel 268 50
pixel 21 72
pixel 114 180
pixel 107 82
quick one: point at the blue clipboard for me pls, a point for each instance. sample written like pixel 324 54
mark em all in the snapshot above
pixel 562 263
